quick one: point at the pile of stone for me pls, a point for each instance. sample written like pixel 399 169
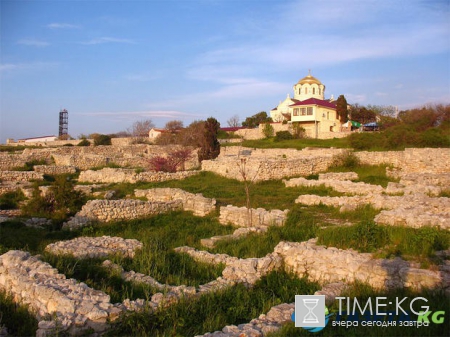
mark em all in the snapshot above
pixel 195 203
pixel 253 217
pixel 95 247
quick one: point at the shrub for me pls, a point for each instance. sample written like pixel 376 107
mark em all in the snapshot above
pixel 347 160
pixel 162 164
pixel 29 165
pixel 102 140
pixel 434 137
pixel 62 201
pixel 84 142
pixel 268 130
pixel 283 135
pixel 10 200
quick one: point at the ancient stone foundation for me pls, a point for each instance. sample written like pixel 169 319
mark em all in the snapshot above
pixel 59 303
pixel 239 216
pixel 113 175
pixel 124 209
pixel 327 265
pixel 195 203
pixel 95 247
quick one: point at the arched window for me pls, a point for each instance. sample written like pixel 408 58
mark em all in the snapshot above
pixel 314 91
pixel 320 91
pixel 299 90
pixel 306 90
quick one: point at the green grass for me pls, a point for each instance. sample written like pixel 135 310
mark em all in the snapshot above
pixel 301 224
pixel 11 200
pixel 388 241
pixel 29 165
pixel 15 235
pixel 370 174
pixel 159 235
pixel 270 194
pixel 296 143
pixel 17 319
pixel 210 312
pixel 437 301
pixel 91 272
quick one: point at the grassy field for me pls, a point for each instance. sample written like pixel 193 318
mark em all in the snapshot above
pixel 298 144
pixel 160 234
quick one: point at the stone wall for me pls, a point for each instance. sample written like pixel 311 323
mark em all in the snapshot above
pixel 268 169
pixel 114 210
pixel 116 175
pixel 259 217
pixel 238 270
pixel 54 170
pixel 331 264
pixel 343 186
pixel 195 203
pixel 95 247
pixel 135 156
pixel 265 164
pixel 20 176
pixel 411 160
pixel 35 283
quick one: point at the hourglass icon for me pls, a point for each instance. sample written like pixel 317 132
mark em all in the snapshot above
pixel 310 304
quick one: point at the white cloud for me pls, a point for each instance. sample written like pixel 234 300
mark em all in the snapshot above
pixel 27 66
pixel 103 40
pixel 33 43
pixel 62 26
pixel 172 114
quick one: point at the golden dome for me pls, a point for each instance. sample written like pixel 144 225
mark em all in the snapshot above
pixel 309 80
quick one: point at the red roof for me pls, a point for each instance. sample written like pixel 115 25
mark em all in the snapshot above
pixel 315 101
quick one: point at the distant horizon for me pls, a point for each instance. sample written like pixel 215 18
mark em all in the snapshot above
pixel 113 64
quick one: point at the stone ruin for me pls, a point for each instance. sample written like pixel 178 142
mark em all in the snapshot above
pixel 413 201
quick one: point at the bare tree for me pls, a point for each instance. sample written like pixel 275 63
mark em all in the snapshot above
pixel 139 130
pixel 233 121
pixel 174 126
pixel 248 178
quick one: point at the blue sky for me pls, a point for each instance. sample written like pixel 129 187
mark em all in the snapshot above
pixel 111 63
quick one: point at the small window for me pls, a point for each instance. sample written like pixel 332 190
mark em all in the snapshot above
pixel 310 111
pixel 295 111
pixel 328 115
pixel 306 90
pixel 314 91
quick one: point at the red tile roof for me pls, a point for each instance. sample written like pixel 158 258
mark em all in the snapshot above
pixel 315 101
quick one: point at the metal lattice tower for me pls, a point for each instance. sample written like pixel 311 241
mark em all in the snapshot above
pixel 63 122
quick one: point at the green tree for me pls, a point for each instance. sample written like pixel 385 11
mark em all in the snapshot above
pixel 362 115
pixel 255 120
pixel 210 146
pixel 268 130
pixel 342 108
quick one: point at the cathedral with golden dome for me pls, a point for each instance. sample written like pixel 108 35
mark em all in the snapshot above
pixel 309 107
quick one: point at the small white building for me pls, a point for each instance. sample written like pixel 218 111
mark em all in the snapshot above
pixel 38 139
